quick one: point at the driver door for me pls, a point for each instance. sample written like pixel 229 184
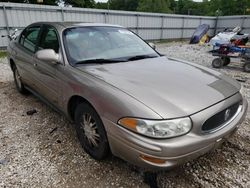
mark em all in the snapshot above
pixel 47 72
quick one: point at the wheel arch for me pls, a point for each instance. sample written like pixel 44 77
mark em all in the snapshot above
pixel 73 102
pixel 12 64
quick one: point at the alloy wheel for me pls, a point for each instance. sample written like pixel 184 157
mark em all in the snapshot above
pixel 90 130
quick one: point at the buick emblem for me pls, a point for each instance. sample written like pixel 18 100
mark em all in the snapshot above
pixel 227 114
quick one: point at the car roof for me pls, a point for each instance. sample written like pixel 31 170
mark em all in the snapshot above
pixel 75 24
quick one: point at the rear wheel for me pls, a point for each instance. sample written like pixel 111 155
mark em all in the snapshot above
pixel 18 82
pixel 247 67
pixel 217 63
pixel 91 132
pixel 226 61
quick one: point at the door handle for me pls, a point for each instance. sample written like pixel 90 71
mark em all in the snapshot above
pixel 35 64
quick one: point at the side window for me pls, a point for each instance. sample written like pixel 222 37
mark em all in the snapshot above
pixel 49 40
pixel 29 38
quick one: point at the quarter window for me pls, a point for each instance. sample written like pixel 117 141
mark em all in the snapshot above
pixel 29 38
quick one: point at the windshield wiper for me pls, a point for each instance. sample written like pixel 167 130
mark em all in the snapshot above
pixel 138 57
pixel 99 61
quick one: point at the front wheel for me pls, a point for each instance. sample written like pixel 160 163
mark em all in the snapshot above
pixel 91 132
pixel 18 82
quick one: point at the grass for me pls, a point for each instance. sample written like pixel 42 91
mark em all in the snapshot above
pixel 3 54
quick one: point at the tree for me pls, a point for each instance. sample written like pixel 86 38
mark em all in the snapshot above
pixel 100 5
pixel 161 6
pixel 226 7
pixel 80 3
pixel 129 5
pixel 74 3
pixel 232 7
pixel 45 2
pixel 204 8
pixel 172 5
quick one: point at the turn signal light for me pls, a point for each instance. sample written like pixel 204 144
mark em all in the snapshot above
pixel 152 159
pixel 129 123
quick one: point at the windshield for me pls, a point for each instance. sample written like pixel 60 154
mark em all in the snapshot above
pixel 108 43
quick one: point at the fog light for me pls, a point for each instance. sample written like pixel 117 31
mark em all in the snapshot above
pixel 152 159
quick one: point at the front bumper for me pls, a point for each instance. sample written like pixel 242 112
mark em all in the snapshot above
pixel 175 151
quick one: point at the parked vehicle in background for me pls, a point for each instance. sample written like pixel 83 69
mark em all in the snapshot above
pixel 125 97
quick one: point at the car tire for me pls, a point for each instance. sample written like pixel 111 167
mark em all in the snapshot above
pixel 18 82
pixel 217 63
pixel 246 67
pixel 91 132
pixel 226 61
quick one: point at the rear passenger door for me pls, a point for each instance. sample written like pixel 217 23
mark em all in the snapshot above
pixel 46 72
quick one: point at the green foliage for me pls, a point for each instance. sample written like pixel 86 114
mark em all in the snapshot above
pixel 228 7
pixel 162 6
pixel 3 54
pixel 204 8
pixel 211 7
pixel 100 5
pixel 45 2
pixel 232 7
pixel 80 3
pixel 129 5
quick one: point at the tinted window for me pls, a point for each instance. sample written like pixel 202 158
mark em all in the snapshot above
pixel 29 38
pixel 49 40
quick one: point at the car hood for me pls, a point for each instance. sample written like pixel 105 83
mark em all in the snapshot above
pixel 170 87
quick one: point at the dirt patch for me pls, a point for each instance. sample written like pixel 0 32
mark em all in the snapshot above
pixel 41 150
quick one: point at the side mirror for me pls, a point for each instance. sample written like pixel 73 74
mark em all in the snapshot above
pixel 152 45
pixel 48 55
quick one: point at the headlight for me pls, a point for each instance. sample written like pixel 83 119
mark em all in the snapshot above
pixel 158 128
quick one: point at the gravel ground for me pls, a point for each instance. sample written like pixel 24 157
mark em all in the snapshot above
pixel 42 150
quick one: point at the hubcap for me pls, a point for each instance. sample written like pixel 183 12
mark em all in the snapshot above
pixel 18 79
pixel 90 130
pixel 217 63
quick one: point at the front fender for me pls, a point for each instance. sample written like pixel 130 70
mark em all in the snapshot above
pixel 109 102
